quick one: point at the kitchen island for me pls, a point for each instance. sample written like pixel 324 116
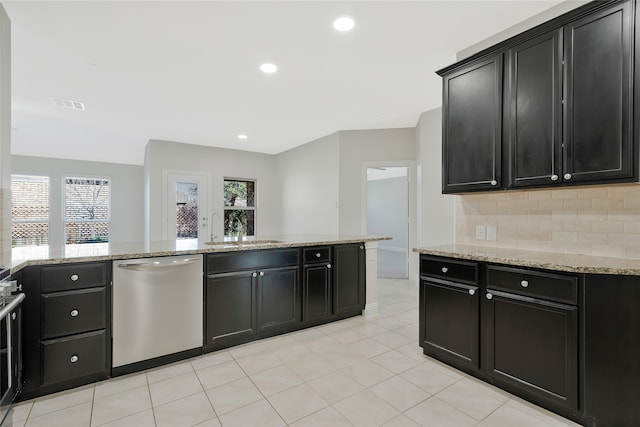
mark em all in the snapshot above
pixel 250 290
pixel 559 330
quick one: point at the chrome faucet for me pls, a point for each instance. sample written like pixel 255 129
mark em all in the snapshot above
pixel 213 237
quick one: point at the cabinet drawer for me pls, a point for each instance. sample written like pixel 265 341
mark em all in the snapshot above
pixel 449 269
pixel 73 276
pixel 72 312
pixel 316 254
pixel 251 260
pixel 536 284
pixel 73 357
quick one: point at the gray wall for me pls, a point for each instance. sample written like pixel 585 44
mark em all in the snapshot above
pixel 387 211
pixel 357 147
pixel 309 185
pixel 127 220
pixel 220 163
pixel 436 222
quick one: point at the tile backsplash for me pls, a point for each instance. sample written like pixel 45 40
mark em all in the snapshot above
pixel 597 220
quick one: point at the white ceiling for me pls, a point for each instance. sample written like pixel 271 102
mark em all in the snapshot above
pixel 188 71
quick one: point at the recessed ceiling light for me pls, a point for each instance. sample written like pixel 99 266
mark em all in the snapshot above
pixel 242 136
pixel 344 23
pixel 268 68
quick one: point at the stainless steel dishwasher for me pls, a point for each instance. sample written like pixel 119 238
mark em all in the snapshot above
pixel 157 307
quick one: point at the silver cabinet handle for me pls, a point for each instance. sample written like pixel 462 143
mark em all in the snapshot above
pixel 444 269
pixel 554 177
pixel 494 182
pixel 74 313
pixel 74 277
pixel 472 291
pixel 74 358
pixel 361 247
pixel 328 265
pixel 318 255
pixel 261 273
pixel 489 296
pixel 254 275
pixel 13 316
pixel 524 283
pixel 567 176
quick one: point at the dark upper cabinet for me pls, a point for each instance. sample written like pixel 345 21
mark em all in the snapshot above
pixel 598 101
pixel 472 126
pixel 534 111
pixel 567 112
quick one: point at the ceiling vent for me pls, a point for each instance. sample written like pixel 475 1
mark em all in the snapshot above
pixel 67 103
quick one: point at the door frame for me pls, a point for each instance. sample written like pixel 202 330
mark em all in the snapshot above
pixel 187 176
pixel 412 186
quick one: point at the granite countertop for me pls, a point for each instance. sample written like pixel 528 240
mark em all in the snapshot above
pixel 110 251
pixel 546 260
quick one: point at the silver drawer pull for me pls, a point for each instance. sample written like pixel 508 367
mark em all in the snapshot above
pixel 567 176
pixel 494 182
pixel 361 247
pixel 318 255
pixel 74 277
pixel 254 275
pixel 472 291
pixel 74 313
pixel 489 296
pixel 328 265
pixel 524 283
pixel 445 269
pixel 13 316
pixel 261 273
pixel 74 358
pixel 554 177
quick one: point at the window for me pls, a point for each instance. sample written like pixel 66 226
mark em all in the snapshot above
pixel 239 207
pixel 87 210
pixel 29 210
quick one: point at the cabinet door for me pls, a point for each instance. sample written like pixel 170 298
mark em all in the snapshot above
pixel 230 306
pixel 532 345
pixel 72 312
pixel 449 321
pixel 535 111
pixel 348 279
pixel 472 126
pixel 279 299
pixel 316 292
pixel 598 113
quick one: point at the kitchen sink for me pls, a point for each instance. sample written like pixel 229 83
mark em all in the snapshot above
pixel 244 243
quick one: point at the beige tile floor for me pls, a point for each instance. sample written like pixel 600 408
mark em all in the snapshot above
pixel 356 372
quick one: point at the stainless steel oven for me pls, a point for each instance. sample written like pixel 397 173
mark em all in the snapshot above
pixel 10 348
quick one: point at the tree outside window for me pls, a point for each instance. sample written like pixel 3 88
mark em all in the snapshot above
pixel 87 210
pixel 239 207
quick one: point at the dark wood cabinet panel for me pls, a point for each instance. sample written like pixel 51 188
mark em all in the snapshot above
pixel 73 276
pixel 533 345
pixel 534 111
pixel 472 126
pixel 231 309
pixel 316 292
pixel 73 357
pixel 449 325
pixel 349 279
pixel 598 101
pixel 279 299
pixel 72 312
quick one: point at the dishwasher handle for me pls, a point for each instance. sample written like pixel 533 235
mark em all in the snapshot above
pixel 149 265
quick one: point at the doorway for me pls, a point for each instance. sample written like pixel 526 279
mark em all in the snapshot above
pixel 388 215
pixel 186 210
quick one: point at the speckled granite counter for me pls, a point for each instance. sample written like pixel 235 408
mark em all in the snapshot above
pixel 535 259
pixel 109 251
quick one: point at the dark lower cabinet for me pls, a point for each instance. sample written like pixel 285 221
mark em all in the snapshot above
pixel 449 324
pixel 532 344
pixel 74 356
pixel 231 306
pixel 316 291
pixel 263 300
pixel 349 279
pixel 279 296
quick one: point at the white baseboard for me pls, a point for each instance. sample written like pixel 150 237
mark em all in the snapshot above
pixel 371 309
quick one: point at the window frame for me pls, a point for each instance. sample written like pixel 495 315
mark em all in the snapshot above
pixel 63 206
pixel 34 221
pixel 253 208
